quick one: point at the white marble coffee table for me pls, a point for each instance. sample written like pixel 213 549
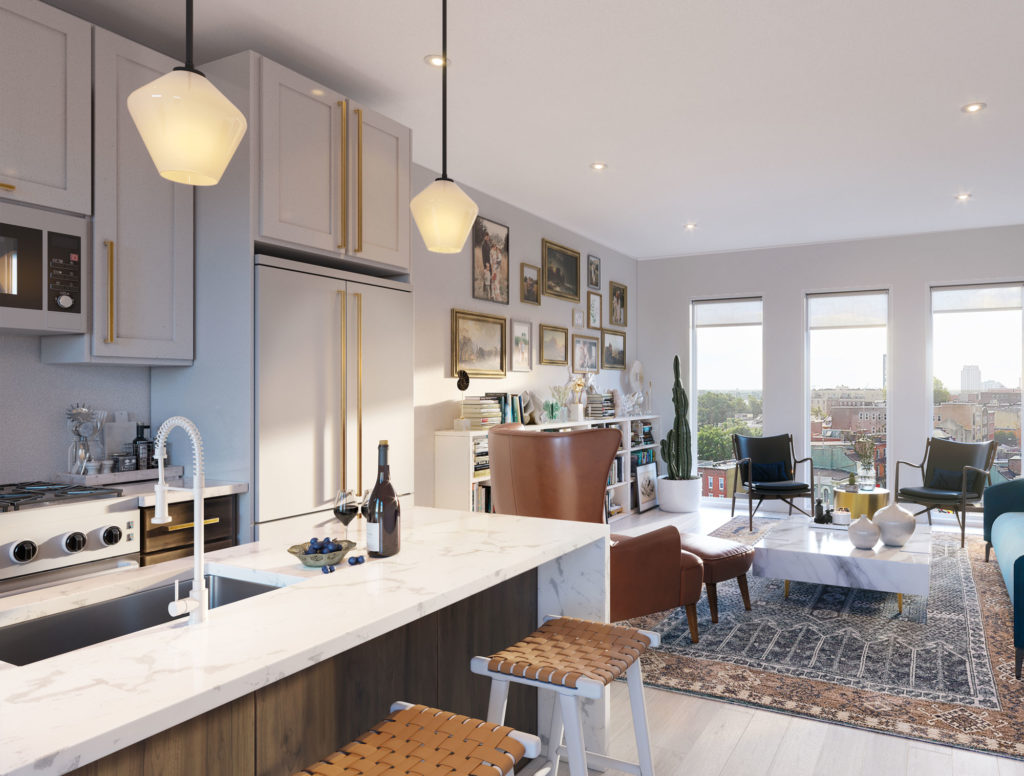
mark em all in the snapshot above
pixel 796 549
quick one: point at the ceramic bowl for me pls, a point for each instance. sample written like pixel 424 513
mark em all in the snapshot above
pixel 320 559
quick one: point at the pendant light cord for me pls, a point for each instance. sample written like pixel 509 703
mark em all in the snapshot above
pixel 189 63
pixel 444 90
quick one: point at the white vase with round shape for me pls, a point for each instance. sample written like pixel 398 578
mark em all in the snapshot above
pixel 678 495
pixel 864 533
pixel 896 524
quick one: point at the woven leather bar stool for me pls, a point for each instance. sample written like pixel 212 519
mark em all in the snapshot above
pixel 575 659
pixel 421 740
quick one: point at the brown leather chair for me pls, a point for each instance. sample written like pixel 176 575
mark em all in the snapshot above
pixel 562 475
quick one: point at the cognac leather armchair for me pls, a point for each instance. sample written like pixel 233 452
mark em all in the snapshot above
pixel 562 475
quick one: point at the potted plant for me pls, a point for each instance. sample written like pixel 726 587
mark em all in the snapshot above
pixel 679 490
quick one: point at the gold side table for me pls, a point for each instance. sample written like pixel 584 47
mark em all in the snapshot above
pixel 861 502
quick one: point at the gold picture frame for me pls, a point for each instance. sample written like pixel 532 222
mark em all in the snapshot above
pixel 549 337
pixel 478 344
pixel 617 301
pixel 613 349
pixel 529 287
pixel 560 271
pixel 594 314
pixel 585 356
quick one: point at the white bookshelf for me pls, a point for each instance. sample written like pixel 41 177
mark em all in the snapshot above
pixel 455 480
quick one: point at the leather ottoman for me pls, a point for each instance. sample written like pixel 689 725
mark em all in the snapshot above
pixel 723 559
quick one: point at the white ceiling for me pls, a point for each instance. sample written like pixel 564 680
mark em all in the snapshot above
pixel 767 123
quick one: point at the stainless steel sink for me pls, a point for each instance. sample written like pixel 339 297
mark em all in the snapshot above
pixel 55 634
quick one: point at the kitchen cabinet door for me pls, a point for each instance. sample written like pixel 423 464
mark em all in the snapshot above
pixel 300 159
pixel 299 322
pixel 45 122
pixel 379 171
pixel 142 232
pixel 380 406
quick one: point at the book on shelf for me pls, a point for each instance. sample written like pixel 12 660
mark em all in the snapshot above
pixel 600 405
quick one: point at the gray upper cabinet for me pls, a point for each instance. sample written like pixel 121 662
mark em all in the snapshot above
pixel 142 279
pixel 45 118
pixel 334 176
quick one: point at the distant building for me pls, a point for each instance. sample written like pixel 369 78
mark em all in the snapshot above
pixel 964 421
pixel 970 378
pixel 717 480
pixel 860 417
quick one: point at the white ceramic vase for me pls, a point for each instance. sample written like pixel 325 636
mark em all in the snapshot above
pixel 678 495
pixel 864 533
pixel 896 524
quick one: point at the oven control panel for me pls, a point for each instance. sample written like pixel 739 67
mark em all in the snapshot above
pixel 64 273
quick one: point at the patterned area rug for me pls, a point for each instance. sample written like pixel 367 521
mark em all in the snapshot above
pixel 847 656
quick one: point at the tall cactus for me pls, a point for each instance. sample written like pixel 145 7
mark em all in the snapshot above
pixel 676 448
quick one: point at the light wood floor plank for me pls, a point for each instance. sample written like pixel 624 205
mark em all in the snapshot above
pixel 798 750
pixel 758 744
pixel 931 760
pixel 975 764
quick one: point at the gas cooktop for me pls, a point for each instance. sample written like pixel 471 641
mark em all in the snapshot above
pixel 22 495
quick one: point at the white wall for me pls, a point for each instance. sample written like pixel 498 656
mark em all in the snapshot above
pixel 905 266
pixel 34 397
pixel 441 282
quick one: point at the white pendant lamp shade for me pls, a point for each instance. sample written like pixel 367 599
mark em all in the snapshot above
pixel 444 214
pixel 190 129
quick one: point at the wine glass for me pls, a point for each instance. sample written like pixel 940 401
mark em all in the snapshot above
pixel 346 508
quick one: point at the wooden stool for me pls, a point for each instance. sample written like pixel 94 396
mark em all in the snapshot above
pixel 574 659
pixel 421 740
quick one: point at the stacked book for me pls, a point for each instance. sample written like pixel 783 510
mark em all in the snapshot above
pixel 481 498
pixel 481 461
pixel 510 406
pixel 481 411
pixel 615 473
pixel 600 405
pixel 639 458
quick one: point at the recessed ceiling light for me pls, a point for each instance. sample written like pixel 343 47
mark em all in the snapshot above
pixel 317 92
pixel 598 166
pixel 974 107
pixel 690 226
pixel 963 196
pixel 436 60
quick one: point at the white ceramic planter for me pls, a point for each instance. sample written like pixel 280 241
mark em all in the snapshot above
pixel 678 495
pixel 576 411
pixel 864 533
pixel 896 524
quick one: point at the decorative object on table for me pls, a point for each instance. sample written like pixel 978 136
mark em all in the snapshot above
pixel 554 344
pixel 532 411
pixel 443 212
pixel 594 273
pixel 189 128
pixel 865 449
pixel 560 271
pixel 579 318
pixel 551 410
pixel 383 511
pixel 521 336
pixel 859 502
pixel 478 344
pixel 593 310
pixel 679 490
pixel 819 512
pixel 325 554
pixel 896 524
pixel 585 357
pixel 613 349
pixel 616 304
pixel 577 399
pixel 864 533
pixel 490 260
pixel 462 423
pixel 84 424
pixel 841 517
pixel 529 283
pixel 636 402
pixel 646 486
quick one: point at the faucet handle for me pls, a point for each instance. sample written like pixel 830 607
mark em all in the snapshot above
pixel 180 606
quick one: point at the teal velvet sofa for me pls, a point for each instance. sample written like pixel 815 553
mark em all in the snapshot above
pixel 1004 533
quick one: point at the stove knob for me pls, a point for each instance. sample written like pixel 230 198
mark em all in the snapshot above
pixel 111 536
pixel 74 542
pixel 23 552
pixel 64 301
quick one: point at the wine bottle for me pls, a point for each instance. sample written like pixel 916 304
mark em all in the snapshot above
pixel 383 512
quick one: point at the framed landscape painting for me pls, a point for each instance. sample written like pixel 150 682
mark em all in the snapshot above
pixel 613 349
pixel 616 304
pixel 478 344
pixel 490 260
pixel 554 344
pixel 521 355
pixel 560 271
pixel 529 283
pixel 593 310
pixel 594 273
pixel 584 354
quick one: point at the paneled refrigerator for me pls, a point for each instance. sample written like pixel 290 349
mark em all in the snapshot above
pixel 334 374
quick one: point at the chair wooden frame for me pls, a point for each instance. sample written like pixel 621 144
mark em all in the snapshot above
pixel 960 506
pixel 739 479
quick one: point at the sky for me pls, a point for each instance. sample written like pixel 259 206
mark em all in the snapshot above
pixel 730 358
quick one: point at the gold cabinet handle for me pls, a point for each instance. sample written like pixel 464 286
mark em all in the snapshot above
pixel 344 391
pixel 110 291
pixel 359 180
pixel 8 186
pixel 359 391
pixel 343 183
pixel 184 526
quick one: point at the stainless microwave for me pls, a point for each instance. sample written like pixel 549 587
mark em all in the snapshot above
pixel 43 271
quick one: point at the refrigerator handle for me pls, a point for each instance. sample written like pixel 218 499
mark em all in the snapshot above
pixel 359 391
pixel 344 391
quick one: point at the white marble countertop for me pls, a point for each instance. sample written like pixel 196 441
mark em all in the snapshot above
pixel 58 714
pixel 143 491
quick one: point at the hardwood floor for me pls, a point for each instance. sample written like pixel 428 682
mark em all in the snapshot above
pixel 698 735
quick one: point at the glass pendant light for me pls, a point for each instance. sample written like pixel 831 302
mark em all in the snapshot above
pixel 190 129
pixel 443 212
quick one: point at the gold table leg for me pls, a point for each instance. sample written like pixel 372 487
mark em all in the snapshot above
pixel 786 593
pixel 899 602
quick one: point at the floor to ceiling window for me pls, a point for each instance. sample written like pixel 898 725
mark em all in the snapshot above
pixel 847 337
pixel 728 381
pixel 977 334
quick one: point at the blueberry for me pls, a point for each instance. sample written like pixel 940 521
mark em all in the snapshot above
pixel 353 560
pixel 314 540
pixel 360 559
pixel 325 569
pixel 332 547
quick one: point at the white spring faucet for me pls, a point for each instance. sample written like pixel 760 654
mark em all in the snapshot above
pixel 196 604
